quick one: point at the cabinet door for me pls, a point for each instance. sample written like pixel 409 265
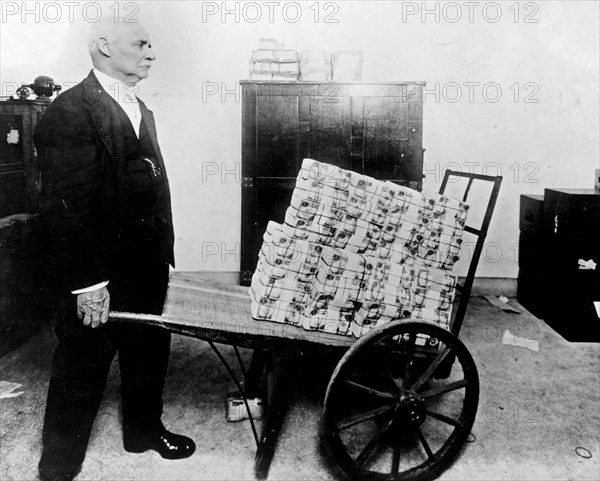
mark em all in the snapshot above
pixel 392 139
pixel 330 131
pixel 276 137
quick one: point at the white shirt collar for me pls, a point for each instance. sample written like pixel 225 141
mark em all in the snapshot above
pixel 124 95
pixel 114 87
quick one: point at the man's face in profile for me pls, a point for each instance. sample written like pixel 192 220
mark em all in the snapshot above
pixel 131 53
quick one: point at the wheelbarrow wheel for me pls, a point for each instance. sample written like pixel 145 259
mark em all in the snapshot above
pixel 387 415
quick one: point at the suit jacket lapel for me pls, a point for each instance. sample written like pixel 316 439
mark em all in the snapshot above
pixel 148 119
pixel 105 115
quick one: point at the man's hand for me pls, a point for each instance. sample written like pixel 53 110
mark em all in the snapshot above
pixel 93 307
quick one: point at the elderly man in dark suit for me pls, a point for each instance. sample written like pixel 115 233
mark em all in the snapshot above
pixel 106 206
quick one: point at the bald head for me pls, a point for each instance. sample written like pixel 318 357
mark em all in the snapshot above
pixel 121 49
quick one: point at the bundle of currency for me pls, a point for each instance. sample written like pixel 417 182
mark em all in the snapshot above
pixel 316 65
pixel 272 62
pixel 355 252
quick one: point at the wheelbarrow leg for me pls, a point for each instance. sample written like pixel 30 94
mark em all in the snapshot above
pixel 277 390
pixel 258 364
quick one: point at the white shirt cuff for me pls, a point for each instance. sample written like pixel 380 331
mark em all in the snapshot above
pixel 90 288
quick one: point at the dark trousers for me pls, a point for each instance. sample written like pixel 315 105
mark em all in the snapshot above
pixel 84 355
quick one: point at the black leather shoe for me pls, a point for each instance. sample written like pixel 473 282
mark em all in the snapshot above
pixel 165 443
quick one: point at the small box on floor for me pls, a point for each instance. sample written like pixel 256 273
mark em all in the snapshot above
pixel 236 408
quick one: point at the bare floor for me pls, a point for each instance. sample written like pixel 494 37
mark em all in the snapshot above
pixel 535 410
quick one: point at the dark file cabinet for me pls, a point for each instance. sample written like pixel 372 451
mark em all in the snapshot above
pixel 572 229
pixel 556 239
pixel 531 280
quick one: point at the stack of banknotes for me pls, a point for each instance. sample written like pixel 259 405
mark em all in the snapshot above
pixel 355 252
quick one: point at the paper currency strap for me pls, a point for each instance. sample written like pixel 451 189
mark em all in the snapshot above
pixel 355 252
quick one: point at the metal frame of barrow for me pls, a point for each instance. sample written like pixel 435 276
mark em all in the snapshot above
pixel 401 401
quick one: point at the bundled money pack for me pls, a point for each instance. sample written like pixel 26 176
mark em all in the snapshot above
pixel 273 62
pixel 355 252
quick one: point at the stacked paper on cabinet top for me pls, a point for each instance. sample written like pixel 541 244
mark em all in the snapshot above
pixel 272 62
pixel 270 44
pixel 347 66
pixel 315 65
pixel 355 252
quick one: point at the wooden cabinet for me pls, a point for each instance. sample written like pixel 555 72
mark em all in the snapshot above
pixel 532 259
pixel 22 287
pixel 372 128
pixel 19 175
pixel 559 260
pixel 571 229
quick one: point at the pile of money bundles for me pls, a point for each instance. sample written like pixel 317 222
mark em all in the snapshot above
pixel 355 252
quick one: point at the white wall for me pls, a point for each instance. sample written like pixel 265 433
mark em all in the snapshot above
pixel 551 142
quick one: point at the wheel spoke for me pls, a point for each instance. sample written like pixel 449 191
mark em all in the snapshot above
pixel 359 418
pixel 384 365
pixel 396 455
pixel 431 369
pixel 444 418
pixel 368 449
pixel 425 444
pixel 410 350
pixel 436 391
pixel 370 390
pixel 398 382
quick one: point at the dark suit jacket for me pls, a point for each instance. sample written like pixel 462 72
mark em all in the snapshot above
pixel 85 181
